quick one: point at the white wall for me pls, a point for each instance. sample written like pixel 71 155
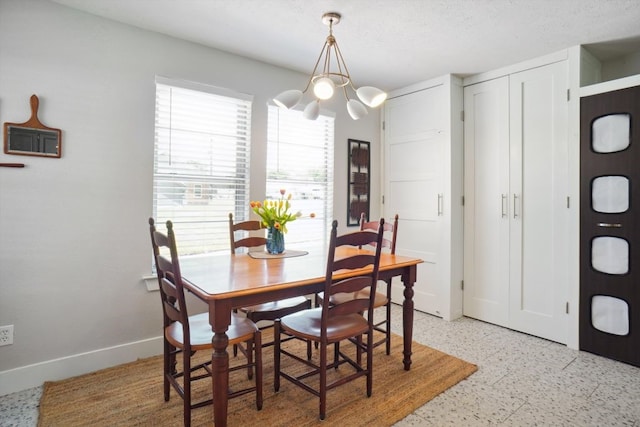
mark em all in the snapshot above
pixel 74 241
pixel 627 65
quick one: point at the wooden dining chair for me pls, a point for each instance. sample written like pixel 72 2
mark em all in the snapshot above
pixel 383 299
pixel 184 334
pixel 330 324
pixel 268 311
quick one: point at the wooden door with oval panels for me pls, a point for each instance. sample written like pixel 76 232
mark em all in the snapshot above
pixel 609 225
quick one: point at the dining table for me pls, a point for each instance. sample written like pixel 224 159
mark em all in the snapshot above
pixel 230 281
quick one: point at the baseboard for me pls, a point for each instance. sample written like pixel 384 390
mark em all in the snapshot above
pixel 30 376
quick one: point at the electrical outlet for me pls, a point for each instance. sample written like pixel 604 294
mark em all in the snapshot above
pixel 6 335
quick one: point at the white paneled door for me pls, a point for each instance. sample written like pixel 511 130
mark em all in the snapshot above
pixel 414 141
pixel 539 161
pixel 487 194
pixel 516 208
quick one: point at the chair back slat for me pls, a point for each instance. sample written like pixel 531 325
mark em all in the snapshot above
pixel 245 227
pixel 357 238
pixel 168 287
pixel 351 285
pixel 174 306
pixel 171 312
pixel 249 242
pixel 356 305
pixel 353 262
pixel 358 260
pixel 388 228
pixel 161 240
pixel 163 264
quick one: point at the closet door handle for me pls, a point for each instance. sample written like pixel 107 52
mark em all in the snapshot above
pixel 515 203
pixel 504 203
pixel 440 204
pixel 609 225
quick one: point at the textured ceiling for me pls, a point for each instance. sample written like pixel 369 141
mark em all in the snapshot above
pixel 388 43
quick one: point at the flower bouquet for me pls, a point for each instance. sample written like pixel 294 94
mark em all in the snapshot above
pixel 275 214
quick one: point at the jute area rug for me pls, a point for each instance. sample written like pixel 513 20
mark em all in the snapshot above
pixel 131 394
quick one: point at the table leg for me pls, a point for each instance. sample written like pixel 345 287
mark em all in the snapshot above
pixel 408 279
pixel 220 378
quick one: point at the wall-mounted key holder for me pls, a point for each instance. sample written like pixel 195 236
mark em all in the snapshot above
pixel 32 138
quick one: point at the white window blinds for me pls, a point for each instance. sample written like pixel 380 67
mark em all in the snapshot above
pixel 300 160
pixel 201 162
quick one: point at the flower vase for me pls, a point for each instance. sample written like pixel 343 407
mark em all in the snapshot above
pixel 275 241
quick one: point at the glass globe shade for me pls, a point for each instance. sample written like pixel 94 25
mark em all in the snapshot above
pixel 371 96
pixel 312 110
pixel 356 109
pixel 323 88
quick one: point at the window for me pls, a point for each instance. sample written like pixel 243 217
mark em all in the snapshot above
pixel 201 162
pixel 300 160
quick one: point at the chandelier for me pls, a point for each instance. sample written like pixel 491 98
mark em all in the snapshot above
pixel 331 75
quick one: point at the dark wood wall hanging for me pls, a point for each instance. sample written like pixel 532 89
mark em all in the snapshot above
pixel 359 181
pixel 32 138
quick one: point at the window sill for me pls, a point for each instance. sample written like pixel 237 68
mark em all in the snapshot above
pixel 151 282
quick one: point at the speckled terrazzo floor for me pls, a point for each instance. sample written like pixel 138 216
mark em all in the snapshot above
pixel 20 409
pixel 521 381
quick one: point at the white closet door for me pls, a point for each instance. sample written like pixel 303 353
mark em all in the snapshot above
pixel 487 208
pixel 539 192
pixel 414 141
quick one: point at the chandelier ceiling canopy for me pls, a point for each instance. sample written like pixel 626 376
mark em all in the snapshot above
pixel 330 74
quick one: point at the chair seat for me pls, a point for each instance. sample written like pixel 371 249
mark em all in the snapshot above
pixel 306 324
pixel 276 309
pixel 380 299
pixel 241 329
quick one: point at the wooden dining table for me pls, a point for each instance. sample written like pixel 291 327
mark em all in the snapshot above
pixel 228 281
